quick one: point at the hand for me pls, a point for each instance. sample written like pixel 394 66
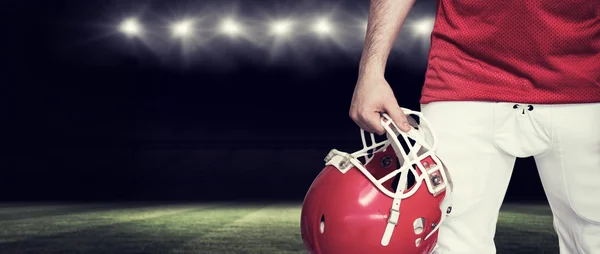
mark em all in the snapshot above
pixel 372 96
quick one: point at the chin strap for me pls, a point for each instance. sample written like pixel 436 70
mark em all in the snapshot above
pixel 394 213
pixel 400 188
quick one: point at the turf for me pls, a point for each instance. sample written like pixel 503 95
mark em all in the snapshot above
pixel 206 228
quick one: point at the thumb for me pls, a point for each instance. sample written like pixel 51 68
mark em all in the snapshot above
pixel 398 116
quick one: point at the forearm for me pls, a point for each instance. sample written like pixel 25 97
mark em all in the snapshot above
pixel 385 20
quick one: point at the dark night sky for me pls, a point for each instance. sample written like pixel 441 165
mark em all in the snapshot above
pixel 91 115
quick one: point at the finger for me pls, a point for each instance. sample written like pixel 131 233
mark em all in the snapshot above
pixel 355 116
pixel 398 116
pixel 361 125
pixel 372 122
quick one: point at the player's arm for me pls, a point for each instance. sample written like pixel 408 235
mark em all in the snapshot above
pixel 372 94
pixel 385 20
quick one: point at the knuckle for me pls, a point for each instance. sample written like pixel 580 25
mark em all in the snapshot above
pixel 359 111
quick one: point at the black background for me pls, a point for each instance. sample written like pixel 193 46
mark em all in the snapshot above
pixel 87 118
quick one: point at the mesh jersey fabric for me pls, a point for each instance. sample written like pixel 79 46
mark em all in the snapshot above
pixel 534 51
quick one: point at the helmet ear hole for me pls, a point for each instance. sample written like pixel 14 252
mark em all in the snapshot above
pixel 419 225
pixel 322 224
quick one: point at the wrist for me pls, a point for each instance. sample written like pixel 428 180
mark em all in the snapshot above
pixel 369 68
pixel 369 72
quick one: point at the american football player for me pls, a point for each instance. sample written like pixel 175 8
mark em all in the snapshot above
pixel 505 80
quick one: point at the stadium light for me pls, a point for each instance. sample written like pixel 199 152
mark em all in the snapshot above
pixel 182 28
pixel 130 27
pixel 322 27
pixel 423 27
pixel 282 27
pixel 231 27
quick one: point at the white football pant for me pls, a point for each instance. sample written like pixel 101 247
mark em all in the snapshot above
pixel 480 141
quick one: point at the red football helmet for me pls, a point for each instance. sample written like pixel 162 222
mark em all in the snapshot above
pixel 392 203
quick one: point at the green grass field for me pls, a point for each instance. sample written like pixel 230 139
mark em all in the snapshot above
pixel 206 228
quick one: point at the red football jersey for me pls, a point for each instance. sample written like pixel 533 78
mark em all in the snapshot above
pixel 528 51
